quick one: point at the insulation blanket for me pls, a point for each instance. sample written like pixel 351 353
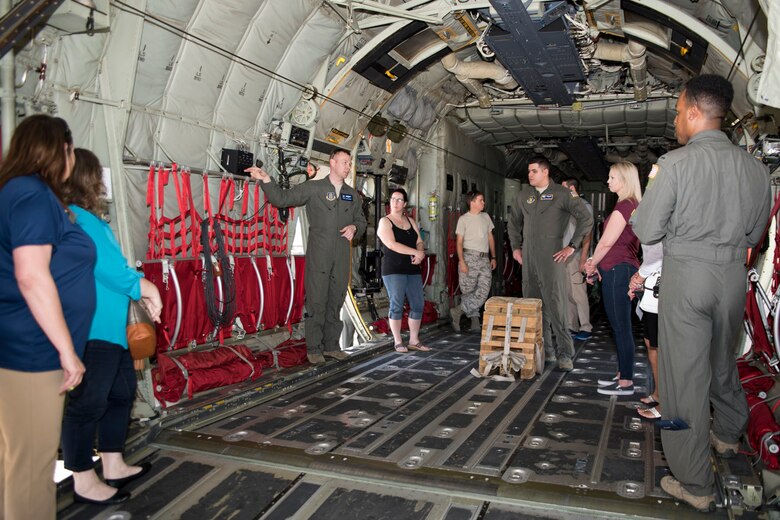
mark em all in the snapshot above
pixel 199 371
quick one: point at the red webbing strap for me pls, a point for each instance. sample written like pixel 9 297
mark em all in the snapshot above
pixel 266 225
pixel 207 207
pixel 182 202
pixel 255 246
pixel 245 227
pixel 152 235
pixel 186 185
pixel 753 254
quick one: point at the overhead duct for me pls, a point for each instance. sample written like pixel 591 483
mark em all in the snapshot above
pixel 634 54
pixel 470 72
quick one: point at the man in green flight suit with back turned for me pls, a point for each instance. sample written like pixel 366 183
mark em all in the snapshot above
pixel 707 202
pixel 536 227
pixel 336 216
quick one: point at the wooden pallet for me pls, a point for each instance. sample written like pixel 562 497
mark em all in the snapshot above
pixel 516 323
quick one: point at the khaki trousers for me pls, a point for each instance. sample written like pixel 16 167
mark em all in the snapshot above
pixel 579 307
pixel 30 421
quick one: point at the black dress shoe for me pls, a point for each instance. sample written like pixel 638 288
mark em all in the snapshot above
pixel 119 482
pixel 118 498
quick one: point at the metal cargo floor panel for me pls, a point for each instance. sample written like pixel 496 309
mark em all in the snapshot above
pixel 416 436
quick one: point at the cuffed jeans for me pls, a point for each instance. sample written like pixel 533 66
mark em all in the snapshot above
pixel 405 285
pixel 101 403
pixel 614 289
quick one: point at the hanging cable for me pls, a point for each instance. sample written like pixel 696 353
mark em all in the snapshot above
pixel 218 264
pixel 741 51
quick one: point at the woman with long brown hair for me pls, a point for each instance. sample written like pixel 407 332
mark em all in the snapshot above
pixel 101 403
pixel 47 299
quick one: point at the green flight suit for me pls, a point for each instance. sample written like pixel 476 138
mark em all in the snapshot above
pixel 537 224
pixel 327 253
pixel 708 202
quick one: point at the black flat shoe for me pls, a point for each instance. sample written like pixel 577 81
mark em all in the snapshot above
pixel 119 482
pixel 118 498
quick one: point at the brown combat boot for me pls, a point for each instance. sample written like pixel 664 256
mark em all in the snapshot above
pixel 726 450
pixel 674 487
pixel 336 354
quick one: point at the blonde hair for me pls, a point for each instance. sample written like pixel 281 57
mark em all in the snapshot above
pixel 629 175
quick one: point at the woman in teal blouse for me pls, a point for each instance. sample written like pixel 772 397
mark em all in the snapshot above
pixel 102 402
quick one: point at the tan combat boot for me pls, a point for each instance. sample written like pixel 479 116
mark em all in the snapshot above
pixel 674 487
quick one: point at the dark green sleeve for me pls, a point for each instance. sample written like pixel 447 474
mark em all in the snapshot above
pixel 583 218
pixel 515 224
pixel 297 195
pixel 651 219
pixel 358 218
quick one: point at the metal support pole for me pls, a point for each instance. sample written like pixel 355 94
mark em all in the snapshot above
pixel 7 90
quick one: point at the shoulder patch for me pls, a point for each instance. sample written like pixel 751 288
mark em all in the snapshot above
pixel 653 172
pixel 574 195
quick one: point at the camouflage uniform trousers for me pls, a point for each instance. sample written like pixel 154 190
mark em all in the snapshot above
pixel 474 285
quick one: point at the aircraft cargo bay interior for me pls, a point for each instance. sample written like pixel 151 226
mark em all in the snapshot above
pixel 409 259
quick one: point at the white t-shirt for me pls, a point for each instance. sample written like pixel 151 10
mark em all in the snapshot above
pixel 475 230
pixel 652 260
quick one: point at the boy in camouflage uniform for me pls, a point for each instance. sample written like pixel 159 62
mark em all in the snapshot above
pixel 476 259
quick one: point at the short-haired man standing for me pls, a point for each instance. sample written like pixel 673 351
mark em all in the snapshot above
pixel 579 307
pixel 335 214
pixel 476 250
pixel 536 226
pixel 708 202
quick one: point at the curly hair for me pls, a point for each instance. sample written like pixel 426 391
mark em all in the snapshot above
pixel 40 145
pixel 711 93
pixel 84 187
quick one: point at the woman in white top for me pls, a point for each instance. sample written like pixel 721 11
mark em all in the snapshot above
pixel 645 280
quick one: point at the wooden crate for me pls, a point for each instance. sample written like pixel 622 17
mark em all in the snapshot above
pixel 517 321
pixel 520 318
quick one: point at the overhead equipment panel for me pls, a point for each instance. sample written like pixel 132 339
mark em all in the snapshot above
pixel 538 51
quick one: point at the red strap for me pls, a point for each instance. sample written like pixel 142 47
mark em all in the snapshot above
pixel 753 253
pixel 152 235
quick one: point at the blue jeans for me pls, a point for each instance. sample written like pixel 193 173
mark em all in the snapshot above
pixel 101 403
pixel 614 289
pixel 405 285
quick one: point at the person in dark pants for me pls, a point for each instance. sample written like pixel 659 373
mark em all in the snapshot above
pixel 615 260
pixel 101 403
pixel 708 202
pixel 536 228
pixel 336 216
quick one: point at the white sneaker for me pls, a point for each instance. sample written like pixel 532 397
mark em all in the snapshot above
pixel 607 382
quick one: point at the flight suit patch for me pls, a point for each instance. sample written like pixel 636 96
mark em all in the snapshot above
pixel 574 195
pixel 330 196
pixel 546 196
pixel 531 199
pixel 651 176
pixel 346 196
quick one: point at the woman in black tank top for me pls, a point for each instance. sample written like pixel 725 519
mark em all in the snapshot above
pixel 403 251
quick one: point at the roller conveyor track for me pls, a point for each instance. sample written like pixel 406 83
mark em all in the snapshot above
pixel 416 436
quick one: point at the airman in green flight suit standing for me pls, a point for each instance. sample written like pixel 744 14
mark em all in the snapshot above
pixel 536 227
pixel 335 217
